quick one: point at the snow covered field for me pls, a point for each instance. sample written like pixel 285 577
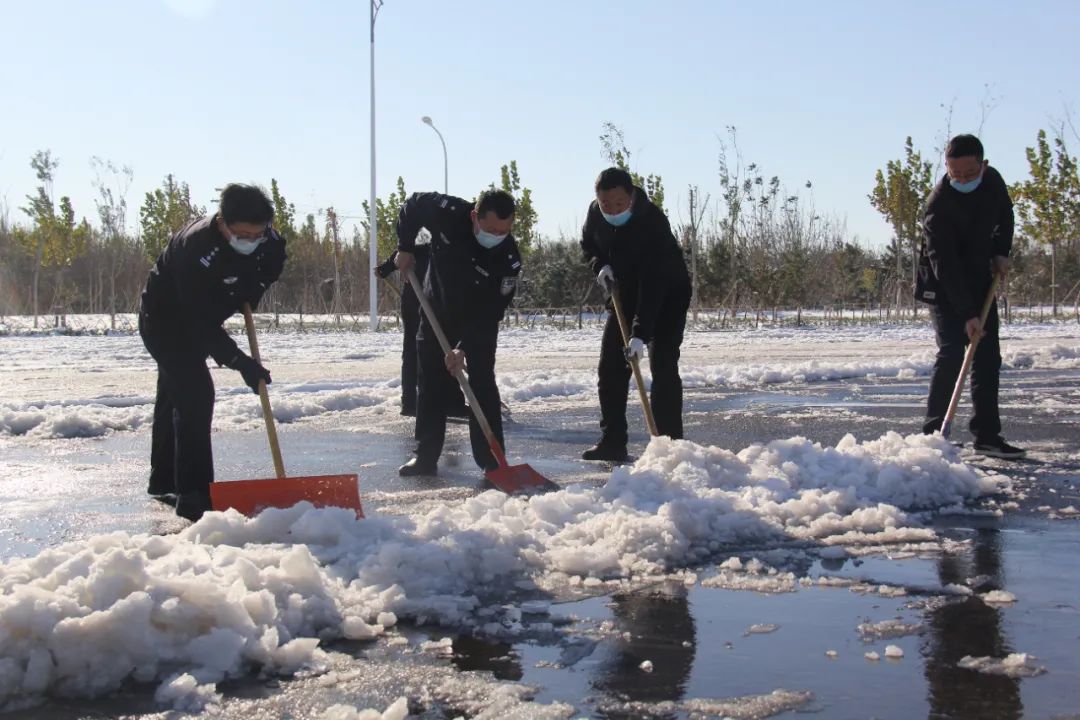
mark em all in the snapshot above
pixel 799 479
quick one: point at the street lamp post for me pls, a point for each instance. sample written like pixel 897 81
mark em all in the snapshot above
pixel 373 236
pixel 445 163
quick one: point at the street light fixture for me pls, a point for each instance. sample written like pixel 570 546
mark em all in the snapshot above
pixel 446 171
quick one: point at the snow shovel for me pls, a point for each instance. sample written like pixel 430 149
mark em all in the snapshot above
pixel 511 479
pixel 250 497
pixel 634 365
pixel 969 357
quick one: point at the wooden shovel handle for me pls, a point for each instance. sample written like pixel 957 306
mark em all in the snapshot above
pixel 634 366
pixel 264 397
pixel 969 356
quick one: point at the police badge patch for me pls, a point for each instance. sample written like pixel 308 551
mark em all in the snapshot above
pixel 508 285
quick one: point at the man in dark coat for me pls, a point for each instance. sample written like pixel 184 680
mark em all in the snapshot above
pixel 969 231
pixel 471 279
pixel 628 244
pixel 202 277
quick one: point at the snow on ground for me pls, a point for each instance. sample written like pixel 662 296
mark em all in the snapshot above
pixel 356 375
pixel 228 593
pixel 1016 665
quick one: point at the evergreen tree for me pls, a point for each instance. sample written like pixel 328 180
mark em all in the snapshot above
pixel 1048 203
pixel 525 217
pixel 900 194
pixel 164 212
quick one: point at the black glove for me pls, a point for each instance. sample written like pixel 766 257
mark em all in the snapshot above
pixel 251 371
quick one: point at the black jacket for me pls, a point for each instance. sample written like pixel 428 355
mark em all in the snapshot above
pixel 469 285
pixel 198 282
pixel 964 231
pixel 645 256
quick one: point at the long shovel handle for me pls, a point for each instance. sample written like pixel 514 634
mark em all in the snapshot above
pixel 634 366
pixel 264 397
pixel 969 357
pixel 462 379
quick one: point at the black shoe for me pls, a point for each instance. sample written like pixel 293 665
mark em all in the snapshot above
pixel 165 499
pixel 417 467
pixel 192 505
pixel 160 486
pixel 408 411
pixel 461 411
pixel 605 451
pixel 1000 449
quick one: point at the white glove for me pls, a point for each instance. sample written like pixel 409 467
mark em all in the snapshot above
pixel 605 278
pixel 636 349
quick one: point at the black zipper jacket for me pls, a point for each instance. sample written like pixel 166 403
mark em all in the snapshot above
pixel 469 286
pixel 198 282
pixel 964 231
pixel 645 256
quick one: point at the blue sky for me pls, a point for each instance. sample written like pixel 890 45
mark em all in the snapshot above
pixel 220 90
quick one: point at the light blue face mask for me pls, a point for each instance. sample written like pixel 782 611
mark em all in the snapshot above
pixel 968 186
pixel 619 219
pixel 488 240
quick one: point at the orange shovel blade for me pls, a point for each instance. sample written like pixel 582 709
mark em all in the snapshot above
pixel 514 479
pixel 251 497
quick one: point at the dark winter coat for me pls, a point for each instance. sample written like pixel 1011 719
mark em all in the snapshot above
pixel 469 286
pixel 198 282
pixel 964 231
pixel 645 256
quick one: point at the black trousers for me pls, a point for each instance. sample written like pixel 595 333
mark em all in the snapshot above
pixel 614 371
pixel 952 343
pixel 410 322
pixel 181 457
pixel 439 391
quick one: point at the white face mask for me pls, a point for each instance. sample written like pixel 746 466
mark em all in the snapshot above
pixel 245 247
pixel 488 240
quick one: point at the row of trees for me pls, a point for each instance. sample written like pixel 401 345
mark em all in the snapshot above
pixel 756 244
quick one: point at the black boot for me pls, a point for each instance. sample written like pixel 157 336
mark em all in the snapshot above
pixel 192 505
pixel 605 451
pixel 416 467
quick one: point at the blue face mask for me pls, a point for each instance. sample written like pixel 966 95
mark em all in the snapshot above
pixel 618 219
pixel 488 240
pixel 968 186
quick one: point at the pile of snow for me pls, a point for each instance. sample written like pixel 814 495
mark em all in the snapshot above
pixel 399 710
pixel 230 593
pixel 1014 665
pixel 887 629
pixel 76 419
pixel 747 707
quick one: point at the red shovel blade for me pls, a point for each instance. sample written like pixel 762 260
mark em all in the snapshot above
pixel 515 479
pixel 251 497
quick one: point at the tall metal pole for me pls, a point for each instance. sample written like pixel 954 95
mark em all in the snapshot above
pixel 445 163
pixel 373 235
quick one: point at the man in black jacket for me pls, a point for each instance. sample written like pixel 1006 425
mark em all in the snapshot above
pixel 410 325
pixel 628 244
pixel 202 277
pixel 471 279
pixel 969 231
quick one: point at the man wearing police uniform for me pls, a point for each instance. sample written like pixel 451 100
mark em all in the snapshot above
pixel 202 277
pixel 628 244
pixel 471 279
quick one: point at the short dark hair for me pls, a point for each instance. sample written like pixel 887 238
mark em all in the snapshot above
pixel 246 204
pixel 614 177
pixel 499 202
pixel 964 146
